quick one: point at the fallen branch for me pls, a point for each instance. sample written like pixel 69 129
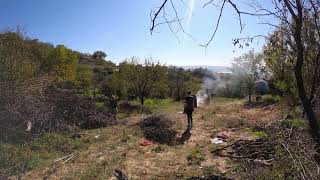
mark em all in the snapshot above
pixel 62 158
pixel 69 158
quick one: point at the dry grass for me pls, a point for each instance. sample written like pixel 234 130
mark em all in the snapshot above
pixel 117 147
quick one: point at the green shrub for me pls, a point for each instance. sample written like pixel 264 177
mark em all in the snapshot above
pixel 260 134
pixel 295 123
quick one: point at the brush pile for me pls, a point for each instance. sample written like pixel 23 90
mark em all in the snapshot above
pixel 70 111
pixel 35 107
pixel 158 128
pixel 288 151
pixel 257 151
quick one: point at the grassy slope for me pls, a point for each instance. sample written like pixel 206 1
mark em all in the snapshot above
pixel 103 150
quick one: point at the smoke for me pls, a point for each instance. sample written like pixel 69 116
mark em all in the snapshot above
pixel 202 97
pixel 212 85
pixel 227 85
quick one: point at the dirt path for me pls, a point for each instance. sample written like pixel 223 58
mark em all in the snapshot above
pixel 118 147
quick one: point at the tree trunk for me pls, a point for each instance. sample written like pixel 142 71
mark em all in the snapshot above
pixel 307 104
pixel 141 100
pixel 298 75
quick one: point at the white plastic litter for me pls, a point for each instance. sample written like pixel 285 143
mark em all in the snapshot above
pixel 216 141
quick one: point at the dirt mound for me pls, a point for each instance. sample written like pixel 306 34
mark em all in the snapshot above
pixel 158 128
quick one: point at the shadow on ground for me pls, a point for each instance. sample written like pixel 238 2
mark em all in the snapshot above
pixel 185 136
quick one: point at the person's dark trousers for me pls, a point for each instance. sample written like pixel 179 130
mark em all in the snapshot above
pixel 189 115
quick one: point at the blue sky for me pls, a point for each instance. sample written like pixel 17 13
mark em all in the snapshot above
pixel 121 29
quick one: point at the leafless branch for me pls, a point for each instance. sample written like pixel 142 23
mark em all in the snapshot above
pixel 154 18
pixel 217 26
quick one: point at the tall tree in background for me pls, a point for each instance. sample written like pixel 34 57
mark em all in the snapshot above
pixel 143 79
pixel 248 68
pixel 99 55
pixel 180 80
pixel 279 60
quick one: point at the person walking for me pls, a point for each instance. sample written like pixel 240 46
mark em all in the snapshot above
pixel 189 107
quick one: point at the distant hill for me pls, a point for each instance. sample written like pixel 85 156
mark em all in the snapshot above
pixel 215 69
pixel 89 61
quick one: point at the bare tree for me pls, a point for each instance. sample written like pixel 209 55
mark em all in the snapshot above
pixel 291 13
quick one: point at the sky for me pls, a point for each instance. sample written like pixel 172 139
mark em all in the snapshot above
pixel 121 28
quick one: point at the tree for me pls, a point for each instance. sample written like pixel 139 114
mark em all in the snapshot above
pixel 63 63
pixel 180 80
pixel 22 58
pixel 115 85
pixel 279 62
pixel 142 80
pixel 247 69
pixel 292 13
pixel 99 55
pixel 16 58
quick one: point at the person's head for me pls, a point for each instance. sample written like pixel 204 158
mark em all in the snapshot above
pixel 113 97
pixel 189 92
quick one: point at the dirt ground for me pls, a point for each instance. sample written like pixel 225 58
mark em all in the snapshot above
pixel 118 147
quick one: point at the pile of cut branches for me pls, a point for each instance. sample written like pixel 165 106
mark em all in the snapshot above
pixel 257 151
pixel 158 128
pixel 288 151
pixel 71 110
pixel 35 107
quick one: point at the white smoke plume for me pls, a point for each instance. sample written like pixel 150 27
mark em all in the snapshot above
pixel 212 85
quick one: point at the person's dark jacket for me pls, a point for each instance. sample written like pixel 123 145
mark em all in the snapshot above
pixel 189 104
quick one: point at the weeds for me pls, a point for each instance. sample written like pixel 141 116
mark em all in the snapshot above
pixel 158 149
pixel 295 123
pixel 195 156
pixel 269 99
pixel 17 159
pixel 257 133
pixel 210 171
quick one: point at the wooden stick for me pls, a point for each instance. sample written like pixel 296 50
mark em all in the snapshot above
pixel 69 158
pixel 63 158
